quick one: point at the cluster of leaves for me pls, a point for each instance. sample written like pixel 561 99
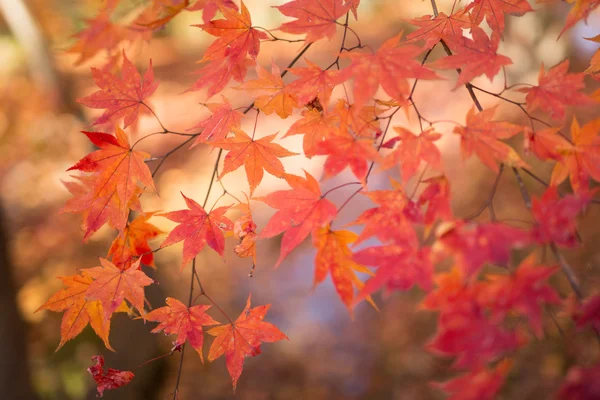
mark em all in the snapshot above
pixel 418 233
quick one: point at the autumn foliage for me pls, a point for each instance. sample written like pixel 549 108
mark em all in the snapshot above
pixel 479 275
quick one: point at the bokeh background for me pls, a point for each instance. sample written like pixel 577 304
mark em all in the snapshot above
pixel 375 355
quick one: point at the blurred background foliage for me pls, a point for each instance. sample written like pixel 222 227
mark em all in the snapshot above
pixel 375 355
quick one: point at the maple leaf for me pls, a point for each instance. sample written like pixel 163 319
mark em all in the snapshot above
pixel 393 220
pixel 436 197
pixel 216 74
pixel 197 228
pixel 580 160
pixel 222 121
pixel 475 244
pixel 255 155
pixel 474 57
pixel 481 134
pixel 556 89
pixel 581 383
pixel 432 29
pixel 79 312
pixel 185 322
pixel 314 81
pixel 160 12
pixel 468 334
pixel 244 229
pixel 315 126
pixel 121 97
pixel 119 169
pixel 494 11
pixel 594 68
pixel 334 257
pixel 398 268
pixel 300 210
pixel 242 338
pixel 545 144
pixel 133 241
pixel 479 384
pixel 589 313
pixel 524 291
pixel 391 67
pixel 412 150
pixel 97 209
pixel 556 217
pixel 236 36
pixel 112 285
pixel 580 11
pixel 101 34
pixel 110 379
pixel 278 98
pixel 315 18
pixel 344 150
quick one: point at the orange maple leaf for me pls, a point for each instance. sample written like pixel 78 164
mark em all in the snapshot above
pixel 185 322
pixel 255 155
pixel 242 338
pixel 433 29
pixel 481 134
pixel 197 228
pixel 119 168
pixel 112 285
pixel 236 36
pixel 581 159
pixel 334 257
pixel 278 99
pixel 133 241
pixel 79 312
pixel 315 126
pixel 300 211
pixel 556 89
pixel 121 97
pixel 314 82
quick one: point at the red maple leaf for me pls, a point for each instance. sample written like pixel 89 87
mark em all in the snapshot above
pixel 222 121
pixel 255 155
pixel 185 322
pixel 524 291
pixel 121 97
pixel 301 211
pixel 479 384
pixel 315 18
pixel 480 136
pixel 474 57
pixel 197 228
pixel 581 383
pixel 242 338
pixel 556 89
pixel 412 150
pixel 589 313
pixel 112 285
pixel 433 29
pixel 110 379
pixel 494 11
pixel 391 67
pixel 556 217
pixel 398 268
